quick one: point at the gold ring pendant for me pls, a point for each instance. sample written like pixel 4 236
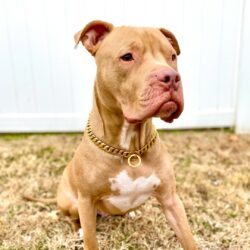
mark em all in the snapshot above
pixel 134 161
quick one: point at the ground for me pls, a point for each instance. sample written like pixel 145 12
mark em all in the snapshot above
pixel 213 179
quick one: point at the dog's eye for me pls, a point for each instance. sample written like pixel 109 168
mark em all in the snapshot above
pixel 173 57
pixel 127 57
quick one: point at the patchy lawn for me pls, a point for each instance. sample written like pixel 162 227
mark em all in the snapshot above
pixel 213 177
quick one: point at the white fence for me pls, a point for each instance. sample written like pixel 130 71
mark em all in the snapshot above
pixel 46 85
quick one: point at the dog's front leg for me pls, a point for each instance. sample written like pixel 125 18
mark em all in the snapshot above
pixel 87 214
pixel 176 216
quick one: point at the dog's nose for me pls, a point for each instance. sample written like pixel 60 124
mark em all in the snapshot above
pixel 169 77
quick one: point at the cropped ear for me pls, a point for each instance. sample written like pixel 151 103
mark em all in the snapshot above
pixel 172 39
pixel 92 34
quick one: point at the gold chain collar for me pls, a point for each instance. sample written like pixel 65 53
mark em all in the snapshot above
pixel 134 159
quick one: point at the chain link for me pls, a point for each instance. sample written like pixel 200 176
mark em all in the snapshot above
pixel 112 150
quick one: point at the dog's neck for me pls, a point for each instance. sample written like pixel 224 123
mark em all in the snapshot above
pixel 111 127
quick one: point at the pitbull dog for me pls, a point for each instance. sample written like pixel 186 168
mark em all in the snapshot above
pixel 121 160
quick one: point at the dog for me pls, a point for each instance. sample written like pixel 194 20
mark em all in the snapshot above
pixel 121 160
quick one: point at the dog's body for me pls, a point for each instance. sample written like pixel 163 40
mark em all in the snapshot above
pixel 136 79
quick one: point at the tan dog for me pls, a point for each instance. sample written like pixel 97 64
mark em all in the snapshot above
pixel 136 79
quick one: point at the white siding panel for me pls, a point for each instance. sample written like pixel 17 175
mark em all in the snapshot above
pixel 243 106
pixel 20 56
pixel 211 30
pixel 190 40
pixel 8 95
pixel 229 49
pixel 40 56
pixel 59 59
pixel 40 122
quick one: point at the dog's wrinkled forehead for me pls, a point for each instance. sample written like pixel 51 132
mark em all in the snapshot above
pixel 128 39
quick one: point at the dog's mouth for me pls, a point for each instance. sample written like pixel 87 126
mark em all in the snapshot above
pixel 168 111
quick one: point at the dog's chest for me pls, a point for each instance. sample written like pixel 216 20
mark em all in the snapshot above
pixel 131 193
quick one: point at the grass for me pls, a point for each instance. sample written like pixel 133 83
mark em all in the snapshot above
pixel 213 179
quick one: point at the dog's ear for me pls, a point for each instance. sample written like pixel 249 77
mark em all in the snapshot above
pixel 92 34
pixel 172 39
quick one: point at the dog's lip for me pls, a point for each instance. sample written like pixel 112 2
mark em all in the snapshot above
pixel 170 118
pixel 167 109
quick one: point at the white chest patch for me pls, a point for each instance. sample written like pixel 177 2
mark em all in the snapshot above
pixel 132 193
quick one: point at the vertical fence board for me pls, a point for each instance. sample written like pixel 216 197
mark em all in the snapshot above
pixel 243 105
pixel 8 90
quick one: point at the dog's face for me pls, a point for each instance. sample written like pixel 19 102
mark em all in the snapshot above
pixel 136 70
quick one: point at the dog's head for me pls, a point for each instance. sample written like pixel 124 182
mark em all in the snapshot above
pixel 137 71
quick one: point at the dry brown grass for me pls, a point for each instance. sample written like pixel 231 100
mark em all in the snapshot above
pixel 213 176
